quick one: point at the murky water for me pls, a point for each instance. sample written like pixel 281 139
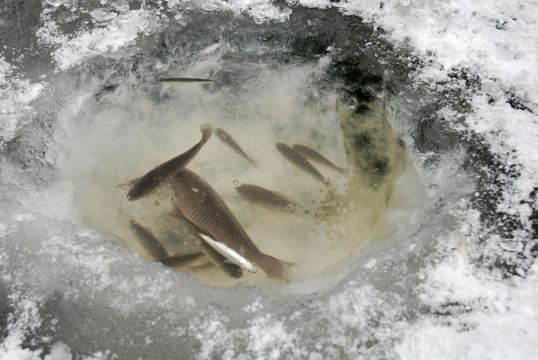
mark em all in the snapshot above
pixel 135 127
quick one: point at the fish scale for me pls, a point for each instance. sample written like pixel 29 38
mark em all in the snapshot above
pixel 199 203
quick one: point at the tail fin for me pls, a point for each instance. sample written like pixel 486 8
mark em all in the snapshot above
pixel 273 267
pixel 206 132
pixel 253 162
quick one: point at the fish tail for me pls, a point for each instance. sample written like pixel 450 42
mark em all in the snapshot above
pixel 253 162
pixel 272 266
pixel 206 131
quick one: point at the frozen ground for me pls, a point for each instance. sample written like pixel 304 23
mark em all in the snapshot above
pixel 457 280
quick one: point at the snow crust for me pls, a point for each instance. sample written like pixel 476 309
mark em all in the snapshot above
pixel 482 314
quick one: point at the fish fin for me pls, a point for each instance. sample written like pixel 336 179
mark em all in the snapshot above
pixel 128 183
pixel 175 212
pixel 206 131
pixel 273 267
pixel 253 162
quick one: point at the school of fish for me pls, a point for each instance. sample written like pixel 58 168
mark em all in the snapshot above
pixel 204 216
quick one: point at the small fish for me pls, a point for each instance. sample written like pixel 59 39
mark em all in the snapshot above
pixel 151 180
pixel 228 140
pixel 229 254
pixel 300 161
pixel 213 255
pixel 181 261
pixel 219 260
pixel 313 155
pixel 148 241
pixel 266 198
pixel 182 80
pixel 199 203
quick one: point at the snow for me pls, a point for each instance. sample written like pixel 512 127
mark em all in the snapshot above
pixel 481 314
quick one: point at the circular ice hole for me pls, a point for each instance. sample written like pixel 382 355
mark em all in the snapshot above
pixel 367 195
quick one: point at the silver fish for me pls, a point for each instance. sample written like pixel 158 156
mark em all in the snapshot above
pixel 229 254
pixel 201 205
pixel 266 198
pixel 182 80
pixel 228 140
pixel 313 155
pixel 301 162
pixel 148 241
pixel 151 180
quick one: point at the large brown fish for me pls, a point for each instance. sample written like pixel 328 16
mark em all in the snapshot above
pixel 228 140
pixel 150 181
pixel 313 155
pixel 300 161
pixel 148 241
pixel 266 198
pixel 202 206
pixel 215 257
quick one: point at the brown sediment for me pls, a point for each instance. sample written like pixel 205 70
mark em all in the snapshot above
pixel 151 180
pixel 199 203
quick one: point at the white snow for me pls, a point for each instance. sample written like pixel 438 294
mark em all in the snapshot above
pixel 493 317
pixel 16 95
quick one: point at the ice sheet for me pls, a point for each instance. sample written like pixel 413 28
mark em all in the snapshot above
pixel 424 296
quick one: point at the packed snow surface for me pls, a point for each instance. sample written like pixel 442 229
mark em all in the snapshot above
pixel 453 279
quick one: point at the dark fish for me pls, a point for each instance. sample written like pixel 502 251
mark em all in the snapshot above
pixel 313 155
pixel 148 241
pixel 228 140
pixel 181 261
pixel 300 161
pixel 217 259
pixel 266 198
pixel 150 181
pixel 202 206
pixel 182 80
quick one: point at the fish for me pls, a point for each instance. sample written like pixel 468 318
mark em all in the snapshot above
pixel 219 260
pixel 301 162
pixel 213 255
pixel 148 241
pixel 266 198
pixel 313 155
pixel 228 140
pixel 228 253
pixel 182 80
pixel 199 203
pixel 181 261
pixel 154 178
